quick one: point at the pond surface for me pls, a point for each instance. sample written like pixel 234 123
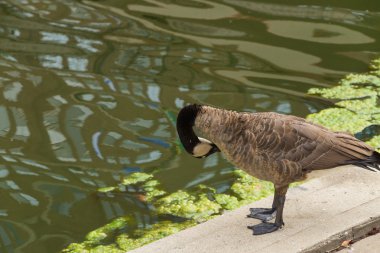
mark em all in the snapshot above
pixel 90 90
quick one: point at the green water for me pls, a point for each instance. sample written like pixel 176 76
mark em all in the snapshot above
pixel 89 92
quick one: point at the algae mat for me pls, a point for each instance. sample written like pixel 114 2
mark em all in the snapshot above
pixel 356 107
pixel 188 208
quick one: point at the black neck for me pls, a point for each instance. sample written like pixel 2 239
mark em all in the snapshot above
pixel 185 123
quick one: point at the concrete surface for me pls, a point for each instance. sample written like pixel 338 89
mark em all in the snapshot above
pixel 370 244
pixel 341 204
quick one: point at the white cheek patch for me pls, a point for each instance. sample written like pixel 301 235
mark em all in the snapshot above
pixel 201 149
pixel 204 141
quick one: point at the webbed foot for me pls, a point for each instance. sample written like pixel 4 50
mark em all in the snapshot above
pixel 264 228
pixel 264 214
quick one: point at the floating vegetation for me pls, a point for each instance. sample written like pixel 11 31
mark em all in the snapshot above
pixel 227 202
pixel 145 236
pixel 186 205
pixel 357 105
pixel 341 119
pixel 190 207
pixel 138 180
pixel 95 240
pixel 248 188
pixel 343 92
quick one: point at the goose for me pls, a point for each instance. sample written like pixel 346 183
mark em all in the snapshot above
pixel 274 147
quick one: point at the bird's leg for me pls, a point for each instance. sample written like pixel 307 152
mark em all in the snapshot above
pixel 265 214
pixel 278 202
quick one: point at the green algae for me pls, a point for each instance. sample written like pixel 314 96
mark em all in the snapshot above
pixel 137 177
pixel 107 189
pixel 151 190
pixel 361 80
pixel 83 248
pixel 190 206
pixel 227 202
pixel 341 119
pixel 362 106
pixel 148 186
pixel 343 92
pixel 195 206
pixel 375 142
pixel 375 65
pixel 96 236
pixel 124 242
pixel 357 106
pixel 145 236
pixel 205 202
pixel 247 188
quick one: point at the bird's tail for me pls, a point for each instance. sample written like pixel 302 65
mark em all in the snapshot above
pixel 372 163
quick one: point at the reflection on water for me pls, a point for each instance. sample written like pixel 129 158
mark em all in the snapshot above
pixel 90 91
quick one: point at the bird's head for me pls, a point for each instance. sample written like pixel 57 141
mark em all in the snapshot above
pixel 194 145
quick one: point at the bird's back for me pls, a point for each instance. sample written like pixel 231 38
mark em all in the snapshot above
pixel 274 146
pixel 311 145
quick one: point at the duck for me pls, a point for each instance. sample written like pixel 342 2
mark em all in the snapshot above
pixel 278 148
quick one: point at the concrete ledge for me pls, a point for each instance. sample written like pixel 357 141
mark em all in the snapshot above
pixel 343 203
pixel 370 244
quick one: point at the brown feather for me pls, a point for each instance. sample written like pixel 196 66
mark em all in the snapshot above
pixel 275 147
